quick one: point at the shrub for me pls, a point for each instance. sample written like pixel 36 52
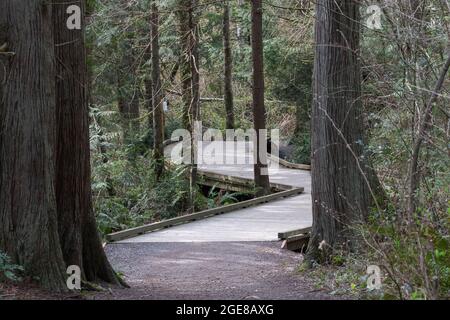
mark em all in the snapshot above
pixel 8 270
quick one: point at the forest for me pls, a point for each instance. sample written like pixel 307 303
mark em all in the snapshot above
pixel 348 98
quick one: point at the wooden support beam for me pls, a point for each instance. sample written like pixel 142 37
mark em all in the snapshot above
pixel 235 183
pixel 226 186
pixel 296 243
pixel 287 234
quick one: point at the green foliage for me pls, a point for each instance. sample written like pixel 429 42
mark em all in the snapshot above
pixel 127 195
pixel 414 246
pixel 344 276
pixel 169 197
pixel 8 270
pixel 398 249
pixel 402 247
pixel 217 197
pixel 302 148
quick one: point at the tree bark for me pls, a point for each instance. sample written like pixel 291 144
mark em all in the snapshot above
pixel 228 86
pixel 158 115
pixel 149 103
pixel 259 111
pixel 79 237
pixel 194 59
pixel 339 185
pixel 71 107
pixel 128 101
pixel 189 62
pixel 190 81
pixel 128 97
pixel 28 208
pixel 148 83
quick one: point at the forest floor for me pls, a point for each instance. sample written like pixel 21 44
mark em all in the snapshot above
pixel 195 271
pixel 27 290
pixel 214 270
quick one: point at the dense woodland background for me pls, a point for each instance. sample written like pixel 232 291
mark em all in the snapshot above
pixel 121 71
pixel 373 120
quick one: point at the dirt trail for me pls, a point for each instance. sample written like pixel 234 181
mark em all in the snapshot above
pixel 197 271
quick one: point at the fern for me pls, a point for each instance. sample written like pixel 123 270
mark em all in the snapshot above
pixel 7 269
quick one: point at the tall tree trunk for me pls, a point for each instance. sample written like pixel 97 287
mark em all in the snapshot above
pixel 259 110
pixel 194 59
pixel 185 66
pixel 128 96
pixel 149 91
pixel 158 115
pixel 71 107
pixel 190 80
pixel 79 237
pixel 149 103
pixel 339 185
pixel 28 211
pixel 190 64
pixel 228 90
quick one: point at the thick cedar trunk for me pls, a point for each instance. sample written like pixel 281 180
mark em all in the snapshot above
pixel 70 155
pixel 28 213
pixel 80 240
pixel 228 87
pixel 259 111
pixel 190 79
pixel 158 115
pixel 339 190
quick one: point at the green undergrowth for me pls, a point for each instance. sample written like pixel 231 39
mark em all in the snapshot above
pixel 127 195
pixel 8 270
pixel 414 260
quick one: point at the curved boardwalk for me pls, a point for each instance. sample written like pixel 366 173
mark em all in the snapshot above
pixel 259 223
pixel 231 256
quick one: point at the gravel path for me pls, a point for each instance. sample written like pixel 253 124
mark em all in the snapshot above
pixel 197 271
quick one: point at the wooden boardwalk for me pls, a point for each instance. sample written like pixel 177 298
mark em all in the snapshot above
pixel 259 223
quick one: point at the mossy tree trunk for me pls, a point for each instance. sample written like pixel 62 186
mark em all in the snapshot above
pixel 190 77
pixel 228 67
pixel 158 114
